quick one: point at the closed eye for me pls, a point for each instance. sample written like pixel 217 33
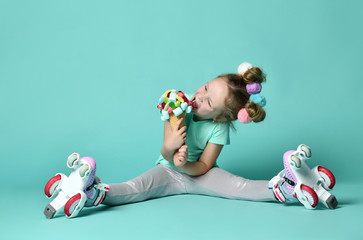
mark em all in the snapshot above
pixel 209 103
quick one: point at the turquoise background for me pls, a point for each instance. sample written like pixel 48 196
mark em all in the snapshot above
pixel 85 76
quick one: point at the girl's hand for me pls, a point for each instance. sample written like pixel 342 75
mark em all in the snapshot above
pixel 174 139
pixel 181 156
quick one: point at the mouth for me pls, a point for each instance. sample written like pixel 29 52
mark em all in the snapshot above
pixel 194 104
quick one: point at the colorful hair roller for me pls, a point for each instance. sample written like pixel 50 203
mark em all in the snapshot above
pixel 244 67
pixel 243 116
pixel 258 99
pixel 253 88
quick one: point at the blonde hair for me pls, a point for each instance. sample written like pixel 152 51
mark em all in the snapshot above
pixel 239 97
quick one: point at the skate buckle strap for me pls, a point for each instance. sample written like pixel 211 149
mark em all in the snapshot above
pixel 275 184
pixel 289 181
pixel 102 187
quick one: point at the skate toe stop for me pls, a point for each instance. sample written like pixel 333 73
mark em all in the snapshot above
pixel 332 202
pixel 49 211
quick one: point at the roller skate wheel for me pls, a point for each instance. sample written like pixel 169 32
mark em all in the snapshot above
pixel 72 204
pixel 309 195
pixel 295 161
pixel 51 185
pixel 328 176
pixel 84 170
pixel 306 150
pixel 72 159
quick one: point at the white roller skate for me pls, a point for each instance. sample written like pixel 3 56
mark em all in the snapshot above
pixel 72 193
pixel 306 185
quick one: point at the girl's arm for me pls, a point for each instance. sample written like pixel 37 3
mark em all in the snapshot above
pixel 173 139
pixel 205 163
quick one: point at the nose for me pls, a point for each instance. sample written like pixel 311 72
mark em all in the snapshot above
pixel 201 98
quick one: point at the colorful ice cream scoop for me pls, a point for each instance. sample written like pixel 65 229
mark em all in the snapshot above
pixel 174 105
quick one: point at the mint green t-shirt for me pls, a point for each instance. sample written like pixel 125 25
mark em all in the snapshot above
pixel 198 135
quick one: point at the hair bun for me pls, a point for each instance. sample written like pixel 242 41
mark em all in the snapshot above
pixel 243 67
pixel 251 74
pixel 255 111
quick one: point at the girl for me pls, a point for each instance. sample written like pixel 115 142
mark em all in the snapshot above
pixel 187 163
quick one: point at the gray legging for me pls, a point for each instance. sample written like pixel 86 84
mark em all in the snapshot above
pixel 162 181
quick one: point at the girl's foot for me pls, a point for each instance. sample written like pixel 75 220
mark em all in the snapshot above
pixel 281 187
pixel 98 190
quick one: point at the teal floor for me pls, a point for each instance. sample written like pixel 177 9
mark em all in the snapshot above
pixel 186 217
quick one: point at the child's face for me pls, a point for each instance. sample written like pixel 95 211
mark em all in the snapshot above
pixel 208 101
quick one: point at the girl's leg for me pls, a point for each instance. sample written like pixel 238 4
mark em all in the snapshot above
pixel 159 181
pixel 220 183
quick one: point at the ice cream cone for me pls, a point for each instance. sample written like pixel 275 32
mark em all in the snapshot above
pixel 174 119
pixel 174 105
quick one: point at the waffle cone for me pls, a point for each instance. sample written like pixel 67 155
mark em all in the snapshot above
pixel 174 119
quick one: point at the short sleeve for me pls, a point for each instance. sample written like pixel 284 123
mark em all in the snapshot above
pixel 220 134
